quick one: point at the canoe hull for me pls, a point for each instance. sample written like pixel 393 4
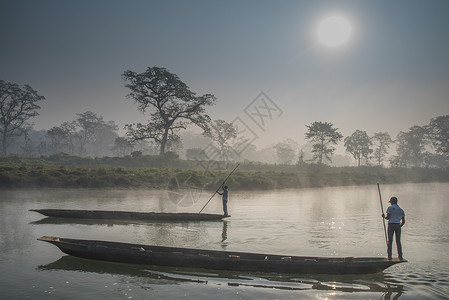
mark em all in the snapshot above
pixel 218 260
pixel 126 215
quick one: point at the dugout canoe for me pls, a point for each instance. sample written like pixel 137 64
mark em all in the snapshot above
pixel 217 260
pixel 127 215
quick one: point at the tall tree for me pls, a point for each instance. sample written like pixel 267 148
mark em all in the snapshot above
pixel 286 151
pixel 88 122
pixel 359 145
pixel 323 137
pixel 94 131
pixel 154 132
pixel 122 146
pixel 57 137
pixel 411 146
pixel 438 131
pixel 17 106
pixel 28 146
pixel 221 134
pixel 104 139
pixel 173 106
pixel 69 129
pixel 382 141
pixel 62 138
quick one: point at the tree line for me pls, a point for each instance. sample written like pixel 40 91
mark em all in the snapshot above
pixel 172 107
pixel 419 146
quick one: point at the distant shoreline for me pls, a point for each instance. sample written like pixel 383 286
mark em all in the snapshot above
pixel 27 176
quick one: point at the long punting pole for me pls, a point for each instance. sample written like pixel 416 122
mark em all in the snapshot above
pixel 382 208
pixel 219 187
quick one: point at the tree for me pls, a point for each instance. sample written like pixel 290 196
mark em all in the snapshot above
pixel 17 106
pixel 105 136
pixel 69 128
pixel 359 145
pixel 57 137
pixel 173 106
pixel 94 131
pixel 28 146
pixel 323 136
pixel 382 141
pixel 122 146
pixel 301 161
pixel 61 138
pixel 435 160
pixel 438 131
pixel 151 131
pixel 88 122
pixel 286 151
pixel 222 134
pixel 411 146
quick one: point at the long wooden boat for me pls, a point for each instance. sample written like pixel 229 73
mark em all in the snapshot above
pixel 127 215
pixel 218 260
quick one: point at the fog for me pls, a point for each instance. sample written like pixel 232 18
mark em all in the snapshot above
pixel 390 74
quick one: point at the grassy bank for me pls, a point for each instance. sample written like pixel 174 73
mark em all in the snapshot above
pixel 27 175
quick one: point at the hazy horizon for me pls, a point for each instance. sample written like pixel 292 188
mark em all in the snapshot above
pixel 391 74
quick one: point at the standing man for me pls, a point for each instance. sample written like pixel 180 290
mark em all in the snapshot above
pixel 225 199
pixel 396 219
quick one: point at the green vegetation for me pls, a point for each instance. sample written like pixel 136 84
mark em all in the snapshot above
pixel 64 171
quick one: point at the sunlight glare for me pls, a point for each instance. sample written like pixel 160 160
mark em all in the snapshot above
pixel 334 31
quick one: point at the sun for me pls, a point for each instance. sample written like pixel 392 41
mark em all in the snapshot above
pixel 334 31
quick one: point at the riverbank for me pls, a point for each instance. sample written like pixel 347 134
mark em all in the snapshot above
pixel 22 175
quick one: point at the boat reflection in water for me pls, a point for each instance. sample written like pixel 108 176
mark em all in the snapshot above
pixel 145 275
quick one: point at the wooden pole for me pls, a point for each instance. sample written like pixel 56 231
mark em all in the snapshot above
pixel 216 191
pixel 382 209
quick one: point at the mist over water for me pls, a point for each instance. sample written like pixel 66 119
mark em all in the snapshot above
pixel 341 221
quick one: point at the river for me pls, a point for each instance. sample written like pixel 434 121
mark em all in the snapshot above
pixel 337 221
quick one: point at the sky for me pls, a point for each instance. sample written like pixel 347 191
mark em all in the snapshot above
pixel 391 74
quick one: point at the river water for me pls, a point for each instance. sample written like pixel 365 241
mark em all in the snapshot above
pixel 340 221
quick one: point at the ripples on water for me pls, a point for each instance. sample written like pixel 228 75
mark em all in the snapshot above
pixel 321 222
pixel 144 276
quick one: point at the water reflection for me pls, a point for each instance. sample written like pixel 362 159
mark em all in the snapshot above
pixel 143 275
pixel 70 263
pixel 224 235
pixel 109 222
pixel 15 237
pixel 393 296
pixel 317 222
pixel 67 221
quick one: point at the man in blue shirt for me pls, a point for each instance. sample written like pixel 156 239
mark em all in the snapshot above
pixel 396 219
pixel 225 199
